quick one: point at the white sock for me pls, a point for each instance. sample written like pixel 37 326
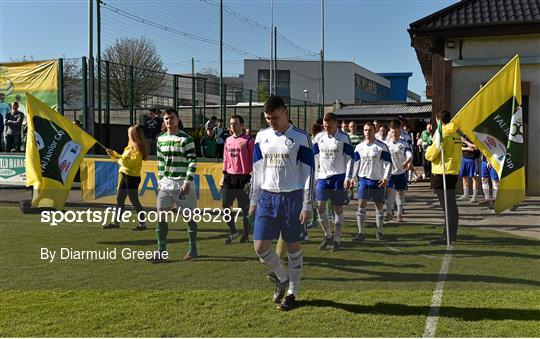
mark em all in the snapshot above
pixel 273 263
pixel 323 221
pixel 465 192
pixel 390 199
pixel 295 268
pixel 361 219
pixel 400 200
pixel 474 191
pixel 380 220
pixel 338 224
pixel 485 189
pixel 495 189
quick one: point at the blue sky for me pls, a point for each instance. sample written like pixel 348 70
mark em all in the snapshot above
pixel 373 33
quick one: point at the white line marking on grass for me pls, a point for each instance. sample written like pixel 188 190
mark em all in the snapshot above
pixel 436 299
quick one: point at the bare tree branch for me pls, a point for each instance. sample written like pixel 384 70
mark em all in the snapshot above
pixel 148 74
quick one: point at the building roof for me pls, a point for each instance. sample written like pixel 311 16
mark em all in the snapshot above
pixel 387 111
pixel 470 18
pixel 476 13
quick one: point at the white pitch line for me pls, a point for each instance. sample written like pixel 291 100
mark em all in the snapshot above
pixel 436 299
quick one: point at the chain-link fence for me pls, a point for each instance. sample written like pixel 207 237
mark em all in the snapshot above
pixel 124 93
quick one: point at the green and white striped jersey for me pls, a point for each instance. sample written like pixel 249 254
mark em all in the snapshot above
pixel 176 156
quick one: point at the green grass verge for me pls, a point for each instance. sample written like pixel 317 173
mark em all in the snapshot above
pixel 374 289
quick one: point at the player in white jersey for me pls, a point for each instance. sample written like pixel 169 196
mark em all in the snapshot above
pixel 333 171
pixel 401 154
pixel 281 196
pixel 372 166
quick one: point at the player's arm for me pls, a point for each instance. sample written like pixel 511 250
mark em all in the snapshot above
pixel 408 157
pixel 226 157
pixel 306 162
pixel 387 165
pixel 348 151
pixel 161 162
pixel 188 148
pixel 316 157
pixel 356 161
pixel 256 176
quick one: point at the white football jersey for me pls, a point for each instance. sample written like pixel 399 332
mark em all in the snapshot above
pixel 400 151
pixel 334 155
pixel 283 162
pixel 372 161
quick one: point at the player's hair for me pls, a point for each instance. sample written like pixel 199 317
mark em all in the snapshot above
pixel 171 110
pixel 136 140
pixel 444 116
pixel 385 126
pixel 273 103
pixel 395 124
pixel 316 129
pixel 329 117
pixel 370 124
pixel 239 118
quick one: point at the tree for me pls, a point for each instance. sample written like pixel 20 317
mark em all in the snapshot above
pixel 148 73
pixel 72 76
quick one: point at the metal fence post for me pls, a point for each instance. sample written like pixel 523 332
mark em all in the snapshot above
pixel 204 99
pixel 224 116
pixel 305 115
pixel 193 102
pixel 61 85
pixel 175 92
pixel 107 100
pixel 131 98
pixel 250 107
pixel 85 91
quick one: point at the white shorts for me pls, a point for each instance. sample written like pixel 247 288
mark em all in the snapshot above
pixel 167 198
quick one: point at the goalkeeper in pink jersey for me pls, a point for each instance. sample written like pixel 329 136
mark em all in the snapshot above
pixel 237 166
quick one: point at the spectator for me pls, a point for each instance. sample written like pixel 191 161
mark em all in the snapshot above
pixel 4 110
pixel 423 143
pixel 383 133
pixel 152 128
pixel 469 169
pixel 355 136
pixel 345 126
pixel 13 123
pixel 211 123
pixel 221 134
pixel 208 144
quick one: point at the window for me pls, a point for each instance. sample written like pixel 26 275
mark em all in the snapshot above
pixel 283 83
pixel 370 86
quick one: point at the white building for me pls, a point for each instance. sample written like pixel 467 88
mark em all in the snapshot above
pixel 344 81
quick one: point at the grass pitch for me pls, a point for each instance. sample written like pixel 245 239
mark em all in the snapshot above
pixel 373 289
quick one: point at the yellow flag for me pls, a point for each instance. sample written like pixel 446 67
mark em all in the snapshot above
pixel 492 119
pixel 55 148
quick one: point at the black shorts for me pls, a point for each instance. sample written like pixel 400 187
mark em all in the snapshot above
pixel 234 189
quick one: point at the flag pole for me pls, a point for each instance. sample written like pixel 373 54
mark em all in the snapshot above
pixel 444 189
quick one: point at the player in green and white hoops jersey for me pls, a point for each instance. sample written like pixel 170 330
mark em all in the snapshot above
pixel 176 165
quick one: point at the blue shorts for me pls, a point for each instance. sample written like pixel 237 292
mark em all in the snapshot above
pixel 398 182
pixel 332 189
pixel 279 213
pixel 488 172
pixel 468 168
pixel 369 190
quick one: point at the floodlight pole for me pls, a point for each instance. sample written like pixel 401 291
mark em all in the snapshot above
pixel 90 117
